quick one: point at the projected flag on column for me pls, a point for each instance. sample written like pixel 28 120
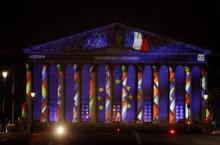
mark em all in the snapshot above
pixel 28 80
pixel 44 112
pixel 124 93
pixel 172 102
pixel 76 81
pixel 204 89
pixel 131 93
pixel 92 104
pixel 203 81
pixel 155 95
pixel 188 93
pixel 137 41
pixel 117 94
pixel 108 102
pixel 101 93
pixel 140 95
pixel 60 93
pixel 28 87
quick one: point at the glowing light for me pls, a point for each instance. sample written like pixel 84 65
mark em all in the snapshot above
pixel 60 130
pixel 206 96
pixel 33 94
pixel 118 129
pixel 188 122
pixel 4 74
pixel 172 131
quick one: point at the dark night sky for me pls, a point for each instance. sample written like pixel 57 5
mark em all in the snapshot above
pixel 24 24
pixel 27 23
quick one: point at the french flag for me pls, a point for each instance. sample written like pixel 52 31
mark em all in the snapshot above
pixel 136 41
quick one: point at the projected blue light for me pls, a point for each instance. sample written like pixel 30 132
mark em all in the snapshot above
pixel 37 88
pixel 196 93
pixel 131 83
pixel 179 112
pixel 180 92
pixel 96 40
pixel 148 89
pixel 85 93
pixel 69 87
pixel 163 94
pixel 101 93
pixel 117 91
pixel 53 87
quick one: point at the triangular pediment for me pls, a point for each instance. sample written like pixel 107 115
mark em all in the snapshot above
pixel 115 38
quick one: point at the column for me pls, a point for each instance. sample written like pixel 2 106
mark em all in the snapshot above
pixel 164 94
pixel 155 94
pixel 147 92
pixel 205 111
pixel 60 93
pixel 85 86
pixel 92 94
pixel 108 88
pixel 76 94
pixel 37 77
pixel 188 93
pixel 28 113
pixel 44 107
pixel 116 116
pixel 124 94
pixel 140 94
pixel 172 94
pixel 101 93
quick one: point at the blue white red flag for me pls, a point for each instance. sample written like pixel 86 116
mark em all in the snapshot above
pixel 137 41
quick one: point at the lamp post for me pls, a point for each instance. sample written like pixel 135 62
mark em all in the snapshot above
pixel 33 94
pixel 205 98
pixel 4 75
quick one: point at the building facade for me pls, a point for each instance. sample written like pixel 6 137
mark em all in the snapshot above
pixel 116 73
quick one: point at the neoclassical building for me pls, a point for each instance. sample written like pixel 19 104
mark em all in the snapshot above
pixel 116 73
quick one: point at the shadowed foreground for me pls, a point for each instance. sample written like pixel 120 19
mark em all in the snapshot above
pixel 108 138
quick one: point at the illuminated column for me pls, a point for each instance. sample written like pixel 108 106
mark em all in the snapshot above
pixel 188 93
pixel 155 94
pixel 206 114
pixel 124 94
pixel 140 95
pixel 76 94
pixel 116 114
pixel 172 94
pixel 28 113
pixel 44 110
pixel 108 102
pixel 92 103
pixel 60 93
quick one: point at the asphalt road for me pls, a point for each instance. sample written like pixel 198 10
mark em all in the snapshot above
pixel 109 138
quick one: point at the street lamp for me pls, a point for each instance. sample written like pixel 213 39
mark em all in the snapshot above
pixel 33 94
pixel 4 75
pixel 206 107
pixel 206 97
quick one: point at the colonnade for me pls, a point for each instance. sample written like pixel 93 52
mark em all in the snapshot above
pixel 115 92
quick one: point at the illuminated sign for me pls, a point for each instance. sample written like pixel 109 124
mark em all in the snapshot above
pixel 36 56
pixel 116 58
pixel 201 57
